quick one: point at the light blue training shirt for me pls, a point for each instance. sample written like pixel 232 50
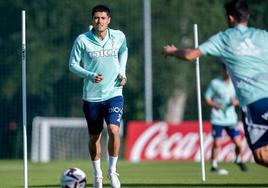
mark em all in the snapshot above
pixel 91 56
pixel 222 92
pixel 244 51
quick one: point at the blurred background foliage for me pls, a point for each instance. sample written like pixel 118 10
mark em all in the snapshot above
pixel 52 27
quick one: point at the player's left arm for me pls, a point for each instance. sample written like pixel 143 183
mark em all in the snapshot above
pixel 188 54
pixel 123 56
pixel 234 99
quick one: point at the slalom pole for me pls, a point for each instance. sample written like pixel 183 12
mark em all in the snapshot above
pixel 200 124
pixel 24 112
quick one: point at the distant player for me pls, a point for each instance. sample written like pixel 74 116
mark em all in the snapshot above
pixel 220 96
pixel 244 51
pixel 99 56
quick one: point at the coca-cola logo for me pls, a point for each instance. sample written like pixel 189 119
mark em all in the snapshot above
pixel 159 142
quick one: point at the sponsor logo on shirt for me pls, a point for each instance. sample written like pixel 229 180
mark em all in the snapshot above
pixel 103 53
pixel 247 48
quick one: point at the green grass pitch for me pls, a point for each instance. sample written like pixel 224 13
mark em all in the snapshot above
pixel 153 174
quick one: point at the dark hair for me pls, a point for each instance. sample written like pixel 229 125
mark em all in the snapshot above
pixel 101 8
pixel 238 9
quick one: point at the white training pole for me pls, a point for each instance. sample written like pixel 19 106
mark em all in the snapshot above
pixel 199 106
pixel 24 112
pixel 148 60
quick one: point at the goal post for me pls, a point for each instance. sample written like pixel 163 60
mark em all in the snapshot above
pixel 55 138
pixel 59 138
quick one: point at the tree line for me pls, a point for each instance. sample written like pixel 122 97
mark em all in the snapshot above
pixel 52 27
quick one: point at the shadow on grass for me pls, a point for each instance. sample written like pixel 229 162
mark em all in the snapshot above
pixel 171 185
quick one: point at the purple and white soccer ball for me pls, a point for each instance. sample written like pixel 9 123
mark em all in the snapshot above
pixel 73 178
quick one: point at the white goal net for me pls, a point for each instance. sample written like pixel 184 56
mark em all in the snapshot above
pixel 60 139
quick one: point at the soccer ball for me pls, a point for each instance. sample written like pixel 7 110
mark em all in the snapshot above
pixel 223 171
pixel 73 178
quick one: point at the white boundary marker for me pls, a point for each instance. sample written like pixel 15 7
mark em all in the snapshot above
pixel 24 107
pixel 199 107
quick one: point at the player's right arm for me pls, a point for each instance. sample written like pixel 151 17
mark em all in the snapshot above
pixel 77 53
pixel 188 54
pixel 213 47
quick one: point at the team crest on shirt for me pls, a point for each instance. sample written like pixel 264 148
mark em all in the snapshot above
pixel 113 43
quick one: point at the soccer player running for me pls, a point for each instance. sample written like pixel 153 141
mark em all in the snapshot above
pixel 220 96
pixel 99 56
pixel 244 51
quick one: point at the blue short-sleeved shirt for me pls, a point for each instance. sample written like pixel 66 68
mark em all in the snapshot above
pixel 244 51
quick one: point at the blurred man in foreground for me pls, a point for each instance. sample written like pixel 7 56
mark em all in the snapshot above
pixel 244 51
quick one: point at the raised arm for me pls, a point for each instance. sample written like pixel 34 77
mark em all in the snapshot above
pixel 188 54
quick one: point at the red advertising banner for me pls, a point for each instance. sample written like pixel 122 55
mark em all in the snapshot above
pixel 163 141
